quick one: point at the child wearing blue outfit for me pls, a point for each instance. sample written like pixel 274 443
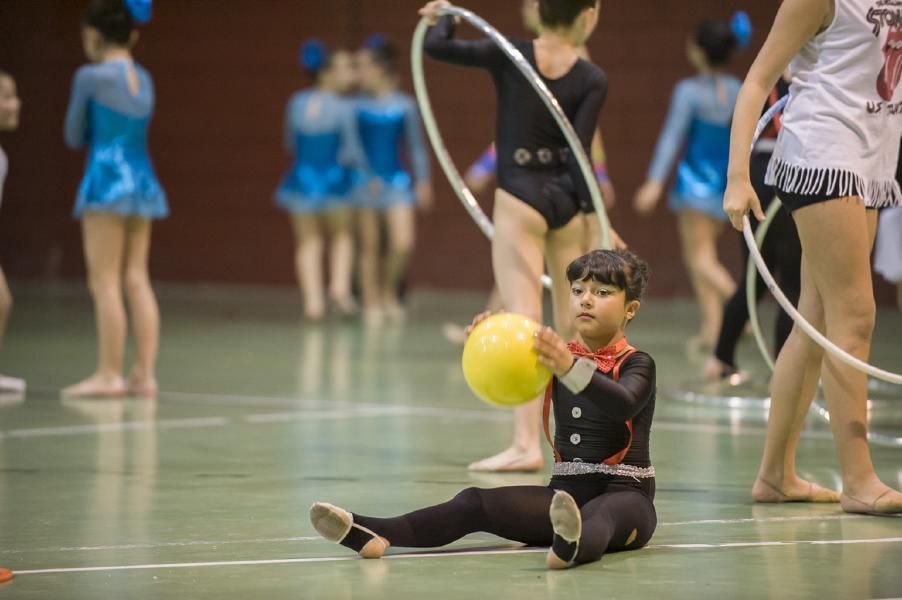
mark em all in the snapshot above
pixel 396 179
pixel 698 125
pixel 109 112
pixel 9 121
pixel 320 129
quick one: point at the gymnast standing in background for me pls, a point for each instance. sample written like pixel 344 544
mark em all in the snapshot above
pixel 10 106
pixel 320 129
pixel 395 182
pixel 109 112
pixel 542 203
pixel 701 109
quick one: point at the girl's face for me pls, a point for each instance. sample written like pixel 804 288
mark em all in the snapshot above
pixel 342 74
pixel 696 56
pixel 599 310
pixel 369 74
pixel 91 43
pixel 9 104
pixel 529 11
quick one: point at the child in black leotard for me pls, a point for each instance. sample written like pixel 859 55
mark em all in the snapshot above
pixel 602 486
pixel 541 204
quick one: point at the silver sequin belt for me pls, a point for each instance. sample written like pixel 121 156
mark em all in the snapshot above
pixel 585 468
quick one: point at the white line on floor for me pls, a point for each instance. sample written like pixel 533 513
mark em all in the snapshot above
pixel 447 554
pixel 344 411
pixel 149 546
pixel 115 427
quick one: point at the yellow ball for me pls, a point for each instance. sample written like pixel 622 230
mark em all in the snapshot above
pixel 499 362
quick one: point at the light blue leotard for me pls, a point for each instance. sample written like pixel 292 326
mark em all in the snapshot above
pixel 320 129
pixel 105 116
pixel 699 119
pixel 392 138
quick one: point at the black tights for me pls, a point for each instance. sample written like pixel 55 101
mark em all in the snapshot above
pixel 621 518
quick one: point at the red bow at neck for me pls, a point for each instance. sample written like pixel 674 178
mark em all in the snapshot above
pixel 605 358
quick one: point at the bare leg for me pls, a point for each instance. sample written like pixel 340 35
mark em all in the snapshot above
pixel 841 274
pixel 710 280
pixel 370 288
pixel 104 246
pixel 309 264
pixel 7 384
pixel 517 253
pixel 6 303
pixel 563 246
pixel 401 233
pixel 793 386
pixel 142 304
pixel 341 259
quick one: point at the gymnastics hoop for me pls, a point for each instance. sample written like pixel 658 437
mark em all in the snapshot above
pixel 754 243
pixel 435 137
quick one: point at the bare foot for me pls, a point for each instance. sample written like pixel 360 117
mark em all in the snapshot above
pixel 454 333
pixel 879 500
pixel 142 386
pixel 796 490
pixel 97 386
pixel 511 460
pixel 345 307
pixel 373 316
pixel 12 385
pixel 394 311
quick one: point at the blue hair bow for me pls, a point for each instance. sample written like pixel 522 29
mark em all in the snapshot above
pixel 374 41
pixel 140 10
pixel 312 55
pixel 741 26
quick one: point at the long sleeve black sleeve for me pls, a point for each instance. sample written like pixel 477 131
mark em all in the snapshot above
pixel 623 399
pixel 441 45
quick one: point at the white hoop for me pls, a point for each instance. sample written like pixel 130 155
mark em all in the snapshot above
pixel 454 178
pixel 753 243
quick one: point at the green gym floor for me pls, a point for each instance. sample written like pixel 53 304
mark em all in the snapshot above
pixel 204 493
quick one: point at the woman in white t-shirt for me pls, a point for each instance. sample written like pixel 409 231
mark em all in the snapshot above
pixel 834 163
pixel 9 120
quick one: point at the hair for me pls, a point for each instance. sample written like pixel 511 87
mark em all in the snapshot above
pixel 315 57
pixel 717 40
pixel 112 19
pixel 384 53
pixel 621 268
pixel 5 75
pixel 562 13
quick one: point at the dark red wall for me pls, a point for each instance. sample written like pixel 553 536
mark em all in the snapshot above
pixel 224 70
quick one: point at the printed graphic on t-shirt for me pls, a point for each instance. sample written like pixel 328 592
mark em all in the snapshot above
pixel 888 14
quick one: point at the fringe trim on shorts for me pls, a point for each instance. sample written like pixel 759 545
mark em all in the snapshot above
pixel 797 179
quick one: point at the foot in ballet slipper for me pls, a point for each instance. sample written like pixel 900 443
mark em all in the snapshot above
pixel 799 491
pixel 887 504
pixel 337 525
pixel 566 521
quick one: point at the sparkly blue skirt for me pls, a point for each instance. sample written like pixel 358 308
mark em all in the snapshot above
pixel 307 189
pixel 699 187
pixel 384 191
pixel 122 182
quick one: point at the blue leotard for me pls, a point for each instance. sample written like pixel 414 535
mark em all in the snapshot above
pixel 395 153
pixel 699 119
pixel 104 115
pixel 320 129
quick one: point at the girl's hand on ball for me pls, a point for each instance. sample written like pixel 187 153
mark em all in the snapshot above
pixel 552 351
pixel 476 321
